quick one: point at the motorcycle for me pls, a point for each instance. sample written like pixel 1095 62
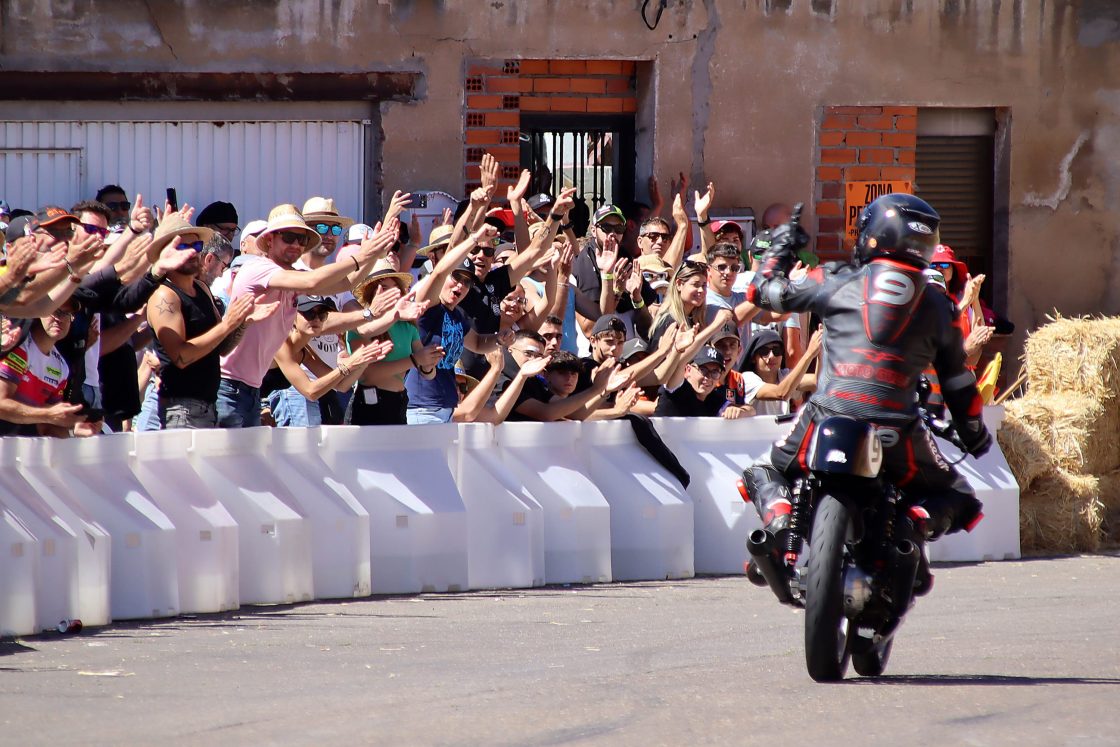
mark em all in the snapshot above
pixel 867 561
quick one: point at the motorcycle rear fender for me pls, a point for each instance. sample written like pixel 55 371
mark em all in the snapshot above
pixel 845 446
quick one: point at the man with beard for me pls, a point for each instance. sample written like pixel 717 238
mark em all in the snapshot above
pixel 191 337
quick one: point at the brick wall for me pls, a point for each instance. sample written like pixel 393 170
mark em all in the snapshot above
pixel 497 91
pixel 854 144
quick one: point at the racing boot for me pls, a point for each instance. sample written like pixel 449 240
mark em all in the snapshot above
pixel 945 514
pixel 918 524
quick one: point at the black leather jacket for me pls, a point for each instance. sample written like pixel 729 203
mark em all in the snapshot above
pixel 884 325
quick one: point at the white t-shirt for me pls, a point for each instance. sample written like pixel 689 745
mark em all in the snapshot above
pixel 715 302
pixel 752 382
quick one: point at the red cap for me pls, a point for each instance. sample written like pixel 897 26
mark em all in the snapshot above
pixel 726 225
pixel 505 215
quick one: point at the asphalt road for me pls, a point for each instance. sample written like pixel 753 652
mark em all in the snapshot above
pixel 1011 653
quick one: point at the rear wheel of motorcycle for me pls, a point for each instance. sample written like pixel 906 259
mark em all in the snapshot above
pixel 826 628
pixel 873 662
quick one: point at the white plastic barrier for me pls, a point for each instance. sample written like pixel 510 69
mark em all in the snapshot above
pixel 91 545
pixel 505 523
pixel 57 578
pixel 997 536
pixel 715 452
pixel 145 580
pixel 206 535
pixel 651 515
pixel 274 538
pixel 19 575
pixel 577 518
pixel 418 523
pixel 339 524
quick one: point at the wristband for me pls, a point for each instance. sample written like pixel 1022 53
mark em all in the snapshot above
pixel 556 217
pixel 703 223
pixel 566 226
pixel 343 369
pixel 607 275
pixel 135 230
pixel 356 265
pixel 639 304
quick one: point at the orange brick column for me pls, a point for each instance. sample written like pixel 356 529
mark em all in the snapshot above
pixel 858 143
pixel 498 91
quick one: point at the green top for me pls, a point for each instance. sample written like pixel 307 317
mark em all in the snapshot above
pixel 401 333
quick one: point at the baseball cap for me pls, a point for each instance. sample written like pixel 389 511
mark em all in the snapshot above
pixel 358 233
pixel 254 227
pixel 502 215
pixel 760 243
pixel 542 200
pixel 706 355
pixel 604 211
pixel 726 225
pixel 24 225
pixel 50 214
pixel 633 347
pixel 4 208
pixel 608 323
pixel 464 269
pixel 307 303
pixel 725 332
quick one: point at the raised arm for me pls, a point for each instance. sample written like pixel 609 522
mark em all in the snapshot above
pixel 538 247
pixel 703 204
pixel 674 254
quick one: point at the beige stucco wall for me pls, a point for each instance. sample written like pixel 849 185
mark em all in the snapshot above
pixel 738 88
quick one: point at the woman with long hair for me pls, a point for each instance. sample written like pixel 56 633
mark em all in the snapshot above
pixel 685 301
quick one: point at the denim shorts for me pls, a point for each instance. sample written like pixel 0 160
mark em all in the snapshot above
pixel 292 409
pixel 185 412
pixel 239 405
pixel 429 415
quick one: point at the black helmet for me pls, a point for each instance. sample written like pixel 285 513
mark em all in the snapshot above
pixel 899 226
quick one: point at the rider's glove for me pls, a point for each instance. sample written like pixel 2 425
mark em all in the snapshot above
pixel 975 437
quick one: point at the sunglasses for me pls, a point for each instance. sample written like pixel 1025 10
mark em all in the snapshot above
pixel 196 245
pixel 293 237
pixel 553 336
pixel 530 352
pixel 319 314
pixel 95 230
pixel 226 230
pixel 119 206
pixel 649 276
pixel 62 316
pixel 695 265
pixel 487 251
pixel 727 268
pixel 941 265
pixel 614 228
pixel 655 235
pixel 768 351
pixel 708 372
pixel 324 228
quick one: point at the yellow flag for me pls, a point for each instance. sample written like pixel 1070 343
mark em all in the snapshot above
pixel 987 381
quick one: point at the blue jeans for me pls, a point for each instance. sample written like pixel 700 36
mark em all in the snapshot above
pixel 428 415
pixel 239 405
pixel 290 408
pixel 148 419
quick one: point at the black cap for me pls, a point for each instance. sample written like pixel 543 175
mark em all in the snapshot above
pixel 51 214
pixel 635 346
pixel 307 303
pixel 464 269
pixel 217 212
pixel 606 210
pixel 24 225
pixel 608 323
pixel 543 200
pixel 759 340
pixel 707 355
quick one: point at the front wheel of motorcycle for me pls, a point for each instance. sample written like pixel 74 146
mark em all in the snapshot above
pixel 826 627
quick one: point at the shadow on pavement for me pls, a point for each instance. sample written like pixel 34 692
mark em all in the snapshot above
pixel 959 680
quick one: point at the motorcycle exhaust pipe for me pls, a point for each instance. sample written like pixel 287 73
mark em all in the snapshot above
pixel 906 557
pixel 760 545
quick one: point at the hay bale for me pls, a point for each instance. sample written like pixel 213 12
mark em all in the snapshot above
pixel 1061 513
pixel 1075 356
pixel 1069 431
pixel 1110 500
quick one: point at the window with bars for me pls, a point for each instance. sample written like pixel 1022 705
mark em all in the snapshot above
pixel 594 154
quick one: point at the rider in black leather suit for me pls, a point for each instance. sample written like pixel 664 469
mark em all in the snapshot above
pixel 884 324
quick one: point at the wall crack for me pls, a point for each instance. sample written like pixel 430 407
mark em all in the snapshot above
pixel 1065 179
pixel 702 89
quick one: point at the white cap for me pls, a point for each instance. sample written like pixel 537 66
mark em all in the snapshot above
pixel 254 227
pixel 357 233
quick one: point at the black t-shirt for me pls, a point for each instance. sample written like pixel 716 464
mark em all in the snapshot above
pixel 534 388
pixel 483 303
pixel 683 403
pixel 589 285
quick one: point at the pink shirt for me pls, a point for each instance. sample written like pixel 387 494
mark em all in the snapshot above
pixel 250 360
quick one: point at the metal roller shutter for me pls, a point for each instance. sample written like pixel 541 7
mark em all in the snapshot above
pixel 955 174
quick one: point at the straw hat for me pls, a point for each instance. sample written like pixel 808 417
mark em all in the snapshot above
pixel 176 225
pixel 286 218
pixel 461 373
pixel 364 290
pixel 440 236
pixel 322 210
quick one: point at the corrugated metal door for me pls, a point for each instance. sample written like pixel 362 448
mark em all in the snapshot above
pixel 254 165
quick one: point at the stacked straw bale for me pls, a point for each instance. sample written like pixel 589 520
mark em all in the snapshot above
pixel 1062 440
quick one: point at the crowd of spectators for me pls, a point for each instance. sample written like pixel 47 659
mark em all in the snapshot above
pixel 119 316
